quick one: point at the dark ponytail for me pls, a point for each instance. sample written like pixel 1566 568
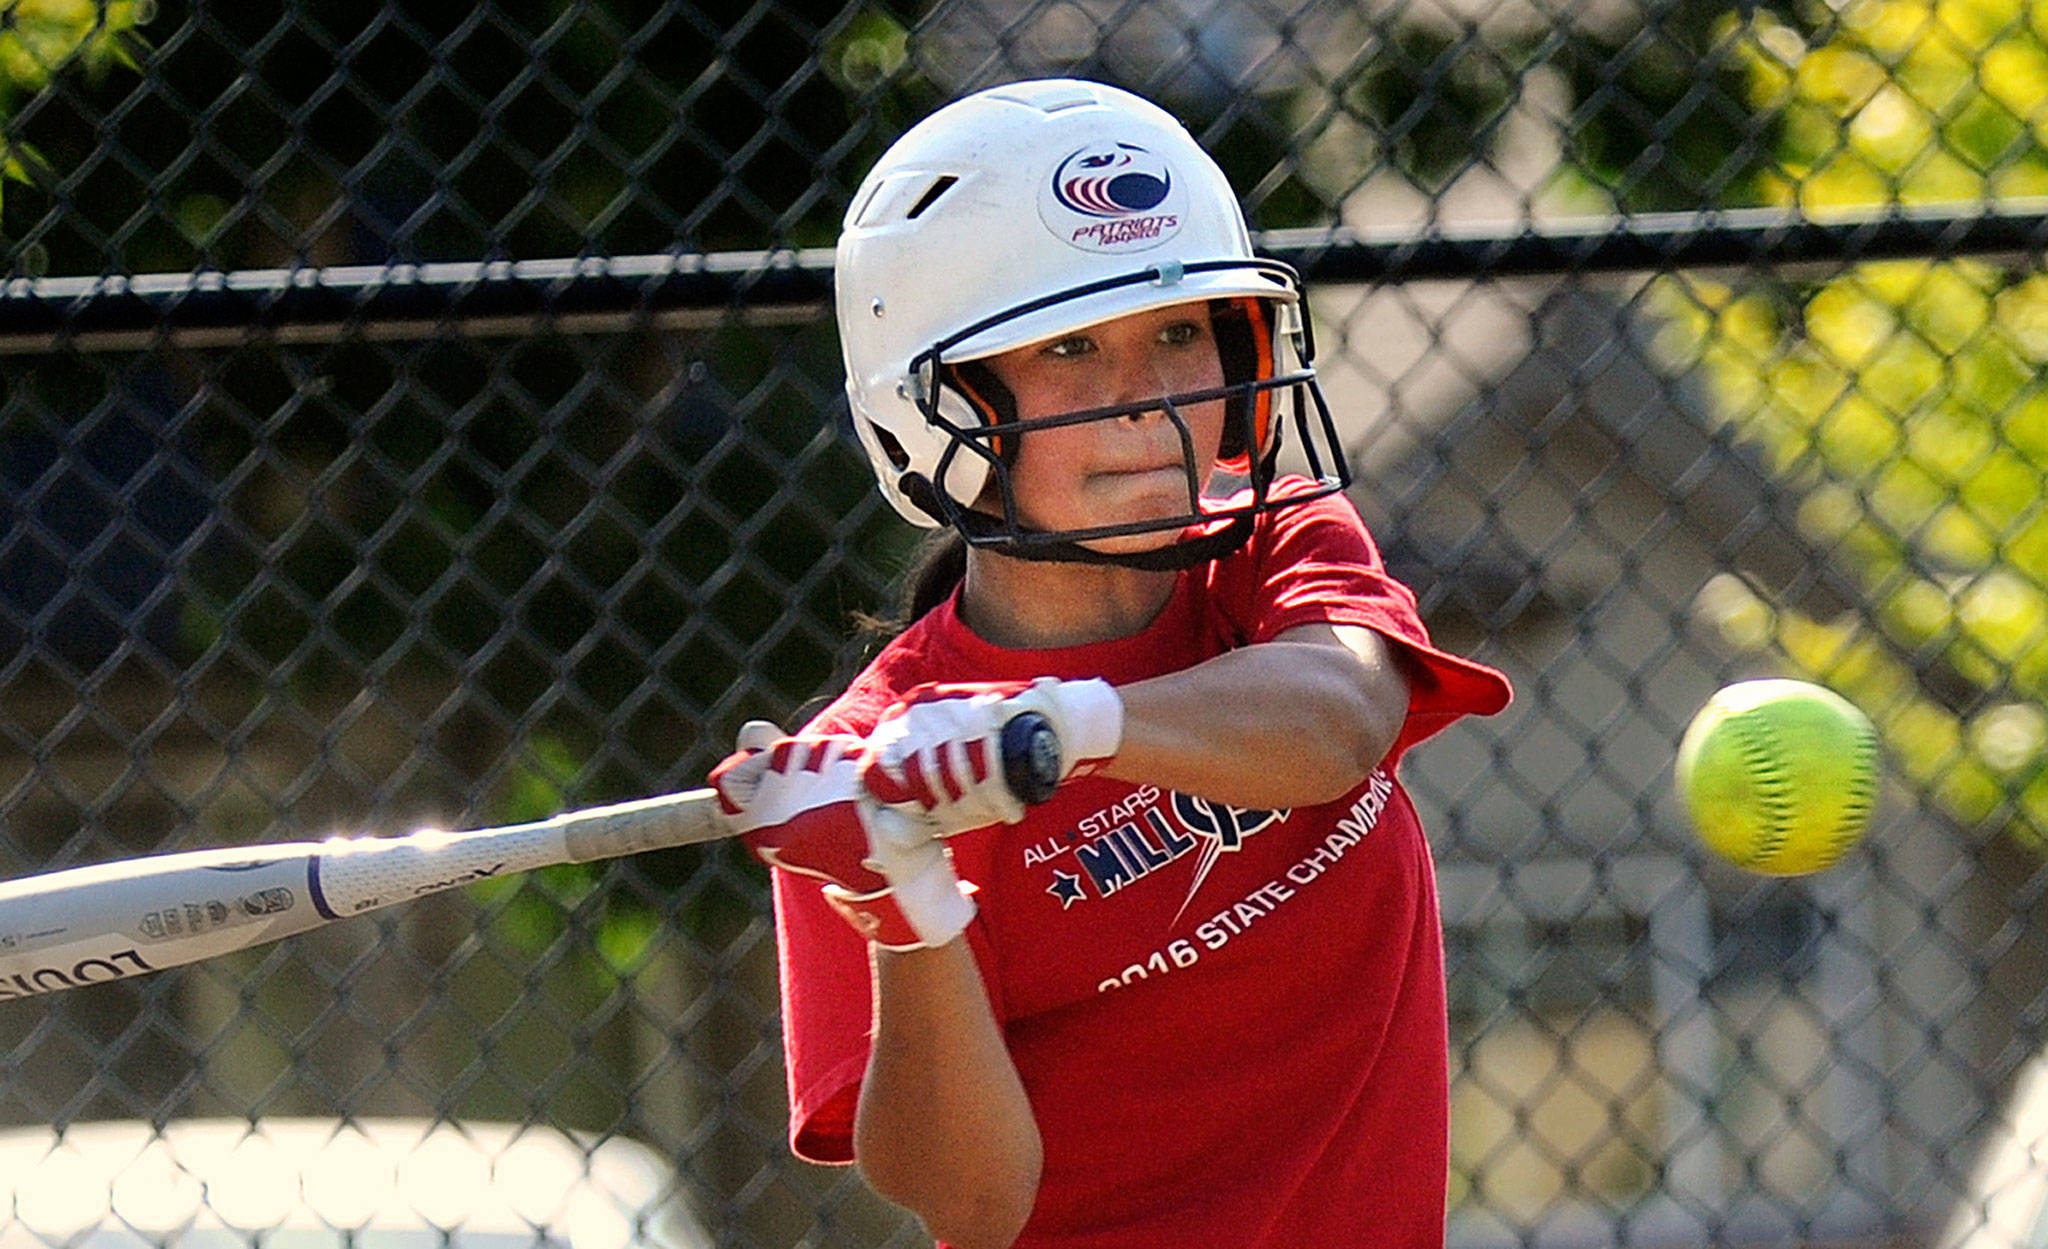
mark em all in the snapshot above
pixel 937 566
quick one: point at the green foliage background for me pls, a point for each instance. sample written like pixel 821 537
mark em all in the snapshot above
pixel 40 38
pixel 1903 401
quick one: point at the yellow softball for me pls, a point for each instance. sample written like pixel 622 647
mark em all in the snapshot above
pixel 1778 776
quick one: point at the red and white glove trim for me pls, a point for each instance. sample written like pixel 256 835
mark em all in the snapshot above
pixel 885 917
pixel 905 848
pixel 942 759
pixel 939 752
pixel 799 803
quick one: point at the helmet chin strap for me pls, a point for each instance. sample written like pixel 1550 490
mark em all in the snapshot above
pixel 989 534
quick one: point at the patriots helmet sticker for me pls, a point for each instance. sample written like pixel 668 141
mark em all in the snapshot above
pixel 1112 197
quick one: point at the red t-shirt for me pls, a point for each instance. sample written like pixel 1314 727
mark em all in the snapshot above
pixel 1230 1023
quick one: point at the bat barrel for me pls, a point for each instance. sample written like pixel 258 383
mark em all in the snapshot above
pixel 85 925
pixel 116 920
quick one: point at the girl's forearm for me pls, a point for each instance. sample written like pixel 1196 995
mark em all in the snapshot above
pixel 944 1127
pixel 1291 722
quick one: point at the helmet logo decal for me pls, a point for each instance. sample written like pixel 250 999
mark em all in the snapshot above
pixel 1110 183
pixel 1112 197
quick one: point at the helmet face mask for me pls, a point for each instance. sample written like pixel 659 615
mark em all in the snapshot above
pixel 1260 401
pixel 944 264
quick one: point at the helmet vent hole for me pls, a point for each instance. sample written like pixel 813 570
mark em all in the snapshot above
pixel 939 186
pixel 890 446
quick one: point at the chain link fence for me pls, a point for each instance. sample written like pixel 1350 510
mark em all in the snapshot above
pixel 430 415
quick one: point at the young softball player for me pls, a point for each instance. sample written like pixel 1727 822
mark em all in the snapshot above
pixel 1196 997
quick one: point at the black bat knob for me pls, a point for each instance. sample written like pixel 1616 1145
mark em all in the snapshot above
pixel 1031 757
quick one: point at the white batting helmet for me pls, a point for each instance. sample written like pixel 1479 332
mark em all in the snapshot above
pixel 1025 213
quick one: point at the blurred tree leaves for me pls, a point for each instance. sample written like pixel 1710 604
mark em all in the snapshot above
pixel 1903 401
pixel 40 38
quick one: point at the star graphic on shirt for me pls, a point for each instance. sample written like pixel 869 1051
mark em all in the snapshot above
pixel 1066 886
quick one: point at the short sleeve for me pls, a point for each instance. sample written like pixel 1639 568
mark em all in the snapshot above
pixel 826 1018
pixel 1315 563
pixel 827 1007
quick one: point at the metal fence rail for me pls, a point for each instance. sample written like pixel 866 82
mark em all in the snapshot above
pixel 598 293
pixel 428 415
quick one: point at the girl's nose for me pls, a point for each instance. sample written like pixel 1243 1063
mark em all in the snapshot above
pixel 1138 383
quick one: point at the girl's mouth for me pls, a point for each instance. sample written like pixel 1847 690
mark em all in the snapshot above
pixel 1171 466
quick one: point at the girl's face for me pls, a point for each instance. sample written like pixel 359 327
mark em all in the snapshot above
pixel 1125 469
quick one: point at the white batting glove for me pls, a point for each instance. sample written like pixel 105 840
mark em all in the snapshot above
pixel 1086 715
pixel 799 805
pixel 932 900
pixel 939 751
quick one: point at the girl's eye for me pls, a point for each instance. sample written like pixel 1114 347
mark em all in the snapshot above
pixel 1180 334
pixel 1068 348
